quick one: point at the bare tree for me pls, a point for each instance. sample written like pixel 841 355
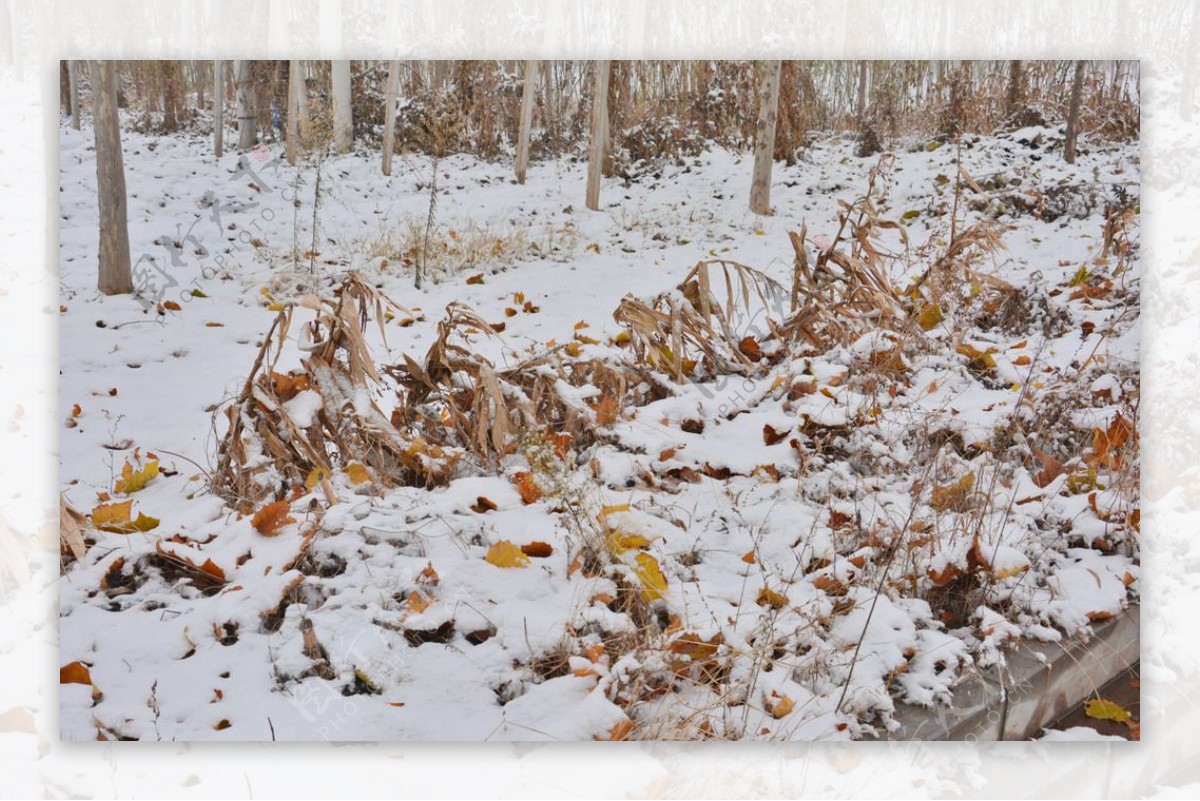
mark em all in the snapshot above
pixel 115 271
pixel 860 110
pixel 389 115
pixel 218 108
pixel 198 79
pixel 1016 88
pixel 73 73
pixel 529 82
pixel 764 137
pixel 1073 113
pixel 599 133
pixel 295 88
pixel 343 112
pixel 168 74
pixel 247 135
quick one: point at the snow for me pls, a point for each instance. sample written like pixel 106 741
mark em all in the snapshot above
pixel 1077 734
pixel 177 657
pixel 304 407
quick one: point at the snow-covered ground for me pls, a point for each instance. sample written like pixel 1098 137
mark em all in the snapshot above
pixel 805 588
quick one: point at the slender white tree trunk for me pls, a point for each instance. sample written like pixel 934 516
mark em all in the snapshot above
pixel 343 119
pixel 599 133
pixel 1073 113
pixel 531 70
pixel 115 272
pixel 389 115
pixel 861 109
pixel 73 75
pixel 295 88
pixel 764 138
pixel 219 108
pixel 247 135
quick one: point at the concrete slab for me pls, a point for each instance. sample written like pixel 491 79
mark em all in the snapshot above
pixel 1040 683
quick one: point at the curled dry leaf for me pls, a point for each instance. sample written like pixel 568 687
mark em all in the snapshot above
pixel 829 585
pixel 74 673
pixel 269 519
pixel 750 348
pixel 771 598
pixel 288 386
pixel 70 529
pixel 778 705
pixel 417 602
pixel 429 576
pixel 482 505
pixel 773 437
pixel 622 730
pixel 537 549
pixel 527 486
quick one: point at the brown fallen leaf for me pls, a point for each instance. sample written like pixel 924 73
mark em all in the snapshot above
pixel 527 486
pixel 269 519
pixel 536 549
pixel 773 437
pixel 482 505
pixel 74 673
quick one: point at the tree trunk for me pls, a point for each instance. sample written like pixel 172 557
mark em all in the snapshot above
pixel 861 108
pixel 247 135
pixel 389 115
pixel 526 119
pixel 219 108
pixel 73 69
pixel 115 273
pixel 295 87
pixel 1073 114
pixel 343 112
pixel 1016 88
pixel 1188 90
pixel 198 79
pixel 599 133
pixel 549 103
pixel 169 76
pixel 764 138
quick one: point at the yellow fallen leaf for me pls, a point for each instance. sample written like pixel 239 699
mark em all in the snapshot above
pixel 771 598
pixel 978 360
pixel 953 497
pixel 115 517
pixel 929 316
pixel 315 476
pixel 651 576
pixel 357 473
pixel 1101 709
pixel 133 480
pixel 628 542
pixel 505 554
